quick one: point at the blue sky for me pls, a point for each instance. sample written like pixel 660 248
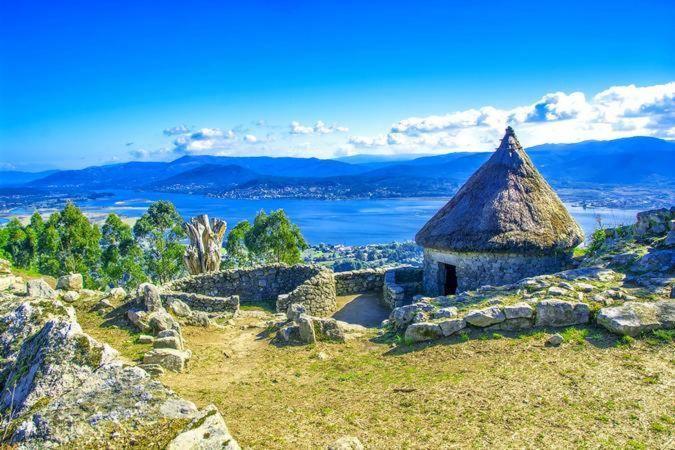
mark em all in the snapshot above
pixel 85 83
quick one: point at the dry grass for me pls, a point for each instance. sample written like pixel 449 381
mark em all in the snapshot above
pixel 477 391
pixel 486 392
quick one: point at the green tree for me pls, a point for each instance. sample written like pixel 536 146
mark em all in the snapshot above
pixel 236 252
pixel 15 246
pixel 122 257
pixel 274 238
pixel 160 232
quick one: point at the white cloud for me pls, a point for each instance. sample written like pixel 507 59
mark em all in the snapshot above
pixel 556 117
pixel 180 129
pixel 250 139
pixel 320 128
pixel 367 141
pixel 143 154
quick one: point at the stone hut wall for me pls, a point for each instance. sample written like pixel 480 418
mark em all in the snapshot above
pixel 359 281
pixel 266 284
pixel 205 303
pixel 479 269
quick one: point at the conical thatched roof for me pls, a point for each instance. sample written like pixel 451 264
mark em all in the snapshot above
pixel 506 206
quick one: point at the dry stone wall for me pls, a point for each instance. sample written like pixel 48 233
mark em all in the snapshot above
pixel 201 302
pixel 359 281
pixel 312 286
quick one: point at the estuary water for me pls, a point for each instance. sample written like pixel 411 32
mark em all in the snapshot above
pixel 349 222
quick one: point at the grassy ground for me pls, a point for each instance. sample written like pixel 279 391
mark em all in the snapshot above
pixel 473 390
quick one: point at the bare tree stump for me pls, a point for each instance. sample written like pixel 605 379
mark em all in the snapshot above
pixel 206 241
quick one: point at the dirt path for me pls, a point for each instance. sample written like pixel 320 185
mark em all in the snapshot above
pixel 361 309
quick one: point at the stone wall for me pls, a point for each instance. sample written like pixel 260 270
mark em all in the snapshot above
pixel 479 269
pixel 359 281
pixel 206 303
pixel 266 284
pixel 400 285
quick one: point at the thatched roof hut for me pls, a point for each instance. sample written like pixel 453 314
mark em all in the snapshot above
pixel 506 206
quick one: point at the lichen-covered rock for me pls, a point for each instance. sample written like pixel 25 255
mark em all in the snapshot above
pixel 178 308
pixel 70 296
pixel 39 288
pixel 403 316
pixel 346 443
pixel 168 342
pixel 306 329
pixel 207 431
pixel 294 311
pixel 198 319
pixel 423 331
pixel 634 318
pixel 655 261
pixel 554 340
pixel 5 267
pixel 519 323
pixel 485 317
pixel 117 294
pixel 452 326
pixel 169 358
pixel 71 282
pixel 518 311
pixel 288 333
pixel 653 222
pixel 145 339
pixel 328 329
pixel 160 320
pixel 559 313
pixel 139 319
pixel 150 298
pixel 445 313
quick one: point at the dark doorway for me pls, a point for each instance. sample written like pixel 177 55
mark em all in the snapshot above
pixel 449 279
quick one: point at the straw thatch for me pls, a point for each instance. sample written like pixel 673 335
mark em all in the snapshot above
pixel 506 206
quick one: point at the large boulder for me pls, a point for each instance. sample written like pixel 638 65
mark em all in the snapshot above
pixel 206 431
pixel 70 282
pixel 39 288
pixel 634 318
pixel 423 331
pixel 485 317
pixel 519 311
pixel 178 307
pixel 150 297
pixel 452 326
pixel 655 261
pixel 117 294
pixel 161 320
pixel 403 316
pixel 559 313
pixel 306 329
pixel 653 222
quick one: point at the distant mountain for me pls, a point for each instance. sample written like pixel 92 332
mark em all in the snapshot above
pixel 629 161
pixel 205 178
pixel 17 178
pixel 370 159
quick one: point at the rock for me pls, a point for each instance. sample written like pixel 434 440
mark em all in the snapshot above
pixel 198 319
pixel 5 267
pixel 70 296
pixel 520 323
pixel 206 431
pixel 178 307
pixel 403 316
pixel 39 288
pixel 294 311
pixel 557 291
pixel 519 310
pixel 445 313
pixel 168 358
pixel 634 318
pixel 670 238
pixel 169 333
pixel 328 329
pixel 150 298
pixel 103 304
pixel 153 369
pixel 71 282
pixel 168 342
pixel 306 329
pixel 346 443
pixel 145 339
pixel 117 294
pixel 655 261
pixel 423 331
pixel 485 317
pixel 139 319
pixel 161 320
pixel 9 281
pixel 554 340
pixel 559 313
pixel 653 222
pixel 322 356
pixel 584 287
pixel 288 333
pixel 452 326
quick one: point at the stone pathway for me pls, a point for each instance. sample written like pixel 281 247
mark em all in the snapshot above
pixel 361 309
